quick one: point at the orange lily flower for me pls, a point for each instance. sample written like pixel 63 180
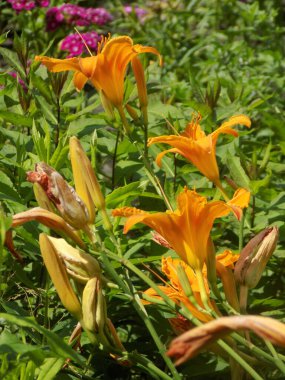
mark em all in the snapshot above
pixel 174 290
pixel 186 229
pixel 106 70
pixel 227 258
pixel 198 147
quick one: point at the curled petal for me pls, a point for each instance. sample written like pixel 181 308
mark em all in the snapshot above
pixel 57 65
pixel 48 219
pixel 163 153
pixel 79 80
pixel 192 342
pixel 239 201
pixel 227 258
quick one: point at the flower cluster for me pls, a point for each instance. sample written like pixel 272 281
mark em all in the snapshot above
pixel 139 12
pixel 20 81
pixel 72 14
pixel 75 44
pixel 27 5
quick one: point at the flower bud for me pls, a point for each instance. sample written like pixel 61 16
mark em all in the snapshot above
pixel 94 311
pixel 58 274
pixel 193 341
pixel 42 198
pixel 49 219
pixel 254 257
pixel 132 112
pixel 79 265
pixel 86 182
pixel 63 196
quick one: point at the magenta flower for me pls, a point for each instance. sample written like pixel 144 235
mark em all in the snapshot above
pixel 20 81
pixel 139 12
pixel 75 46
pixel 72 14
pixel 27 5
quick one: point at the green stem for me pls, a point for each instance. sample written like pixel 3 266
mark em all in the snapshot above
pixel 239 360
pixel 279 363
pixel 124 119
pixel 115 158
pixel 185 312
pixel 145 123
pixel 240 235
pixel 141 312
pixel 252 348
pixel 152 369
pixel 222 190
pixel 203 292
pixel 154 180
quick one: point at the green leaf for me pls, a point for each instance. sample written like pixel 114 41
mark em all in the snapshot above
pixel 256 185
pixel 3 37
pixel 46 108
pixel 60 154
pixel 55 343
pixel 7 190
pixel 50 368
pixel 12 59
pixel 41 86
pixel 88 109
pixel 121 194
pixel 10 343
pixel 236 171
pixel 16 119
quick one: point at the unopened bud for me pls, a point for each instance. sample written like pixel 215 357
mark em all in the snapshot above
pixel 94 311
pixel 42 198
pixel 49 219
pixel 254 257
pixel 86 182
pixel 58 274
pixel 132 112
pixel 79 265
pixel 63 196
pixel 156 237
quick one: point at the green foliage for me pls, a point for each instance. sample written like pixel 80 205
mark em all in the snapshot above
pixel 220 58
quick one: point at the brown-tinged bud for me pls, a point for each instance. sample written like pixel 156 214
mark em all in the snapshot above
pixel 156 237
pixel 254 257
pixel 48 219
pixel 192 342
pixel 42 198
pixel 63 196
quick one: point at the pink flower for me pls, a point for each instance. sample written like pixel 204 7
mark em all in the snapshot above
pixel 27 5
pixel 75 46
pixel 139 12
pixel 72 14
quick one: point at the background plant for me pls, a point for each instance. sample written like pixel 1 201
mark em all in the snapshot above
pixel 220 58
